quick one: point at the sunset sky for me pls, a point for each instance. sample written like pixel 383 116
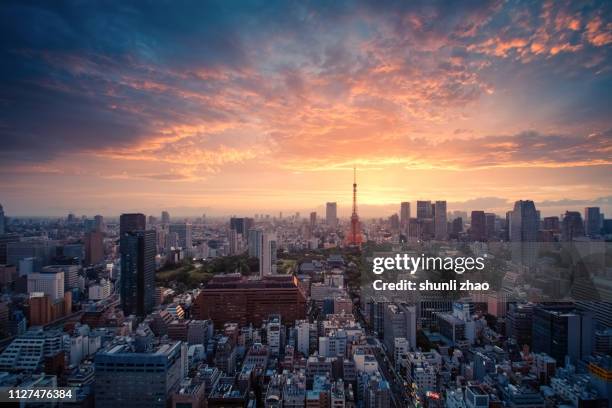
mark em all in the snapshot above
pixel 244 107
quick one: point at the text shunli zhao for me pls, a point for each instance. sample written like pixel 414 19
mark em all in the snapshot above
pixel 412 264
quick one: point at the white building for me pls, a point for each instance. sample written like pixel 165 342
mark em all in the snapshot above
pixel 49 283
pixel 101 290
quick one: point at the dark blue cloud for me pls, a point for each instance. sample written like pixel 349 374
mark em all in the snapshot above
pixel 70 70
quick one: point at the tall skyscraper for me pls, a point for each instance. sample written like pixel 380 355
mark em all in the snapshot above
pixel 241 224
pixel 440 221
pixel 331 214
pixel 478 226
pixel 592 221
pixel 404 215
pixel 132 222
pixel 94 247
pixel 267 261
pixel 2 221
pixel 165 218
pixel 524 226
pixel 99 223
pixel 313 220
pixel 137 283
pixel 424 210
pixel 183 231
pixel 571 226
pixel 255 240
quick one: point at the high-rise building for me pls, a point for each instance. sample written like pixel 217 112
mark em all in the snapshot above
pixel 137 282
pixel 313 220
pixel 165 218
pixel 51 283
pixel 94 247
pixel 560 330
pixel 424 210
pixel 440 222
pixel 138 379
pixel 241 224
pixel 571 226
pixel 490 225
pixel 524 226
pixel 255 240
pixel 2 221
pixel 478 226
pixel 132 222
pixel 99 223
pixel 331 214
pixel 400 320
pixel 267 261
pixel 71 274
pixel 592 221
pixel 6 239
pixel 183 232
pixel 404 215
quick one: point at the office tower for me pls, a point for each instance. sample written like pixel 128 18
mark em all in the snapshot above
pixel 457 225
pixel 478 226
pixel 560 330
pixel 241 224
pixel 394 222
pixel 2 221
pixel 400 321
pixel 132 222
pixel 440 222
pixel 331 214
pixel 94 247
pixel 424 210
pixel 234 298
pixel 519 320
pixel 571 226
pixel 183 231
pixel 50 283
pixel 490 225
pixel 592 221
pixel 137 379
pixel 274 335
pixel 404 215
pixel 137 283
pixel 71 274
pixel 267 261
pixel 255 239
pixel 232 237
pixel 99 223
pixel 313 220
pixel 165 218
pixel 524 232
pixel 6 239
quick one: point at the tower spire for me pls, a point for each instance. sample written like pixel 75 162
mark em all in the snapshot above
pixel 354 235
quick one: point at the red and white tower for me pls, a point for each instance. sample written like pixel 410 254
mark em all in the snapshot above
pixel 354 237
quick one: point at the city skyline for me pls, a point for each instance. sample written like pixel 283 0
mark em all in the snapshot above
pixel 245 108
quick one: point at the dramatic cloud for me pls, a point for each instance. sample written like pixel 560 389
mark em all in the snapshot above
pixel 189 92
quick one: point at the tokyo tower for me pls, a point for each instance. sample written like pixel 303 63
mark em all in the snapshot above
pixel 354 237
